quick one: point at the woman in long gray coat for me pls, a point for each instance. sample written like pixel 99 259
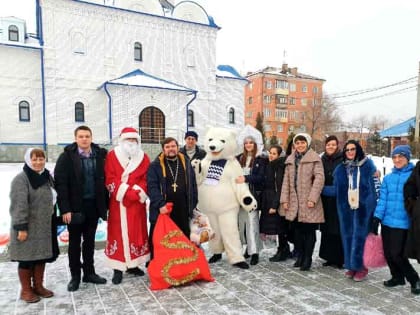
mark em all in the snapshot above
pixel 300 197
pixel 33 240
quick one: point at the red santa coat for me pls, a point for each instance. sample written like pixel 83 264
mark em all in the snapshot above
pixel 127 241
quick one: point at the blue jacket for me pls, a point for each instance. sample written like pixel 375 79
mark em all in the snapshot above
pixel 156 186
pixel 390 209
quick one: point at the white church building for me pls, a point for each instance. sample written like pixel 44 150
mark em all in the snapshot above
pixel 107 64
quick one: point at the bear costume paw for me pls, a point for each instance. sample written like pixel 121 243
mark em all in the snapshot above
pixel 249 203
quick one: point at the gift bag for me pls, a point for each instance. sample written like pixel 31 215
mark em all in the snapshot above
pixel 373 255
pixel 201 230
pixel 176 259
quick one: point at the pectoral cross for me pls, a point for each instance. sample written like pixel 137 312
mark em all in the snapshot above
pixel 174 186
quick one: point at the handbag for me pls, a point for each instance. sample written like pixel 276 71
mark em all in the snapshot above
pixel 373 254
pixel 353 193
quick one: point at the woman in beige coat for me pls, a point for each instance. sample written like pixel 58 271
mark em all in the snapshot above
pixel 300 197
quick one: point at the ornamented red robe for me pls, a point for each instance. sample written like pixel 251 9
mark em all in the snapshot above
pixel 127 241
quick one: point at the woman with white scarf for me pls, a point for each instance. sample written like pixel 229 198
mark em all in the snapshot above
pixel 33 238
pixel 356 202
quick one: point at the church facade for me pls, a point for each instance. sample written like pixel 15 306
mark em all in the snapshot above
pixel 149 64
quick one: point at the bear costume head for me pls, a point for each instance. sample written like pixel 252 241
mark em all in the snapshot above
pixel 220 143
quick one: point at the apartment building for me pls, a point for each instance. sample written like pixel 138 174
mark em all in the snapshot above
pixel 286 98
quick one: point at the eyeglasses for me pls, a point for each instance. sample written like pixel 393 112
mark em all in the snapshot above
pixel 350 149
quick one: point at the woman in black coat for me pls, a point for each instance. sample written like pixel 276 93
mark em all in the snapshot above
pixel 412 205
pixel 271 223
pixel 331 248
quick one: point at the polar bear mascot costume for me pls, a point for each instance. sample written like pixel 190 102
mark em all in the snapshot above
pixel 219 197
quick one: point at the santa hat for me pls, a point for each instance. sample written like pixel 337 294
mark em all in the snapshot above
pixel 129 133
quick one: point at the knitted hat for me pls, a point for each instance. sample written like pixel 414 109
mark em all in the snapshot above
pixel 301 136
pixel 191 134
pixel 129 133
pixel 403 150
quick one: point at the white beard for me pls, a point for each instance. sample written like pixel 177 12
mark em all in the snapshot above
pixel 131 149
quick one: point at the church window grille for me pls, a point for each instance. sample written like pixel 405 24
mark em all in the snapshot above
pixel 79 112
pixel 190 118
pixel 138 51
pixel 13 33
pixel 231 116
pixel 24 111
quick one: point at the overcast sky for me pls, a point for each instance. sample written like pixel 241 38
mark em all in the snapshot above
pixel 353 45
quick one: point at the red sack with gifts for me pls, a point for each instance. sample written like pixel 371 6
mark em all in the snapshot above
pixel 373 255
pixel 176 259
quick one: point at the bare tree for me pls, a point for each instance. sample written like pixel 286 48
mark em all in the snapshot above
pixel 322 118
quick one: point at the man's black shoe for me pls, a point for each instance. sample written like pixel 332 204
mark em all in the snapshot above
pixel 73 284
pixel 136 271
pixel 117 277
pixel 393 282
pixel 254 259
pixel 94 278
pixel 215 258
pixel 242 265
pixel 415 288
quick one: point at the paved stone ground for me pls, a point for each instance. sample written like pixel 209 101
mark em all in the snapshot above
pixel 268 288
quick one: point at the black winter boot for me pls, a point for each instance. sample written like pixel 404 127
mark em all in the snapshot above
pixel 308 249
pixel 299 246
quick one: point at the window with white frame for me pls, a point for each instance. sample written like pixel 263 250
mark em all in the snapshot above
pixel 292 101
pixel 249 114
pixel 24 111
pixel 231 115
pixel 302 128
pixel 268 85
pixel 250 85
pixel 190 118
pixel 281 99
pixel 281 113
pixel 79 112
pixel 280 128
pixel 138 51
pixel 292 87
pixel 293 115
pixel 267 112
pixel 303 101
pixel 282 84
pixel 267 99
pixel 304 88
pixel 315 90
pixel 78 43
pixel 267 127
pixel 250 100
pixel 13 33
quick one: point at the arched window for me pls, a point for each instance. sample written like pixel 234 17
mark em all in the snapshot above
pixel 78 42
pixel 231 116
pixel 79 112
pixel 190 118
pixel 24 112
pixel 138 52
pixel 13 33
pixel 152 125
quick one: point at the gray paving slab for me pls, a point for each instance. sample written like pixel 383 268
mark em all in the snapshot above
pixel 267 288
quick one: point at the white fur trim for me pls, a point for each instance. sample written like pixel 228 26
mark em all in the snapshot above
pixel 120 265
pixel 124 233
pixel 142 195
pixel 121 191
pixel 130 135
pixel 129 165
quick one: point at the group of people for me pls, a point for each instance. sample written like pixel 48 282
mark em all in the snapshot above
pixel 339 193
pixel 297 193
pixel 88 181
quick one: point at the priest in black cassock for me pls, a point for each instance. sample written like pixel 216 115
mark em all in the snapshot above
pixel 171 179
